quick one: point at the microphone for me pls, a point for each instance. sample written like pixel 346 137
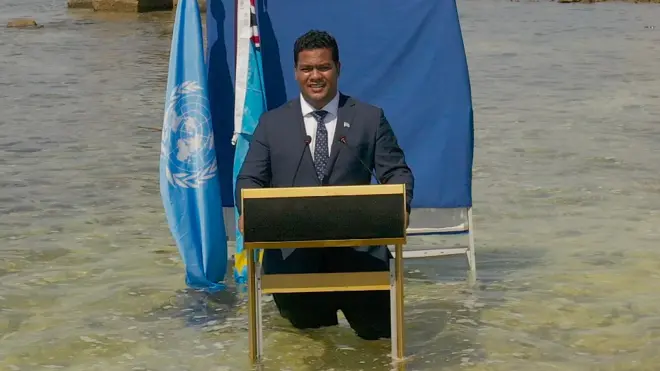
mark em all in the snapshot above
pixel 343 141
pixel 308 140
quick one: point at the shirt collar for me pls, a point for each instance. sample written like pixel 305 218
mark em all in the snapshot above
pixel 331 107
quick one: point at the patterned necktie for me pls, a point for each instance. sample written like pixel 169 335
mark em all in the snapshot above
pixel 321 155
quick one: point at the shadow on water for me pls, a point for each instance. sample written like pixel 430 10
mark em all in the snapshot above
pixel 201 309
pixel 493 265
pixel 443 317
pixel 438 333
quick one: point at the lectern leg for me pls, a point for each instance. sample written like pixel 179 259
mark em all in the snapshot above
pixel 260 321
pixel 393 312
pixel 253 336
pixel 396 303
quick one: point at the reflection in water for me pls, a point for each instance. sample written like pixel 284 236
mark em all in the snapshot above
pixel 567 205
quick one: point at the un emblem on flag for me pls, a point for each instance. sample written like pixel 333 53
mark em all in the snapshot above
pixel 187 142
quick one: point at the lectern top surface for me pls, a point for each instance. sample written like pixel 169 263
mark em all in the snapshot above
pixel 325 191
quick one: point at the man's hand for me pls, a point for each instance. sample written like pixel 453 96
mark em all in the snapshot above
pixel 240 223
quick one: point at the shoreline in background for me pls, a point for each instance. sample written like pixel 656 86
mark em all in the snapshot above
pixel 168 5
pixel 160 8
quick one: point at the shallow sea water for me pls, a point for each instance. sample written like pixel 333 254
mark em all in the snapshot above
pixel 566 191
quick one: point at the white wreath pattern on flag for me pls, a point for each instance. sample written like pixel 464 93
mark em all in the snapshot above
pixel 187 142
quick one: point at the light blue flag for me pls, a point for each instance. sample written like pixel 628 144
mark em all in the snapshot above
pixel 250 105
pixel 189 183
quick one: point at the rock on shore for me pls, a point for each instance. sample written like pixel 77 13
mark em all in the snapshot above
pixel 202 4
pixel 129 5
pixel 603 1
pixel 80 4
pixel 149 5
pixel 23 23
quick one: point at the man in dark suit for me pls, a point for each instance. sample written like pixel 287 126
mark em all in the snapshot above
pixel 303 143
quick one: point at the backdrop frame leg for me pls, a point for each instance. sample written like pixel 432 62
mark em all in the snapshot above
pixel 393 312
pixel 398 348
pixel 471 257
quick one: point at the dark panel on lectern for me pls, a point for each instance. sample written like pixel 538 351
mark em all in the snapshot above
pixel 324 218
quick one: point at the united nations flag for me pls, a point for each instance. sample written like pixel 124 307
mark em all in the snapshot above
pixel 189 184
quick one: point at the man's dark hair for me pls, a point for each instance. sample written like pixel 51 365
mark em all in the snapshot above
pixel 315 39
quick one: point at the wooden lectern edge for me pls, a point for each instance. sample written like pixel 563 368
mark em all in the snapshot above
pixel 324 243
pixel 325 282
pixel 324 191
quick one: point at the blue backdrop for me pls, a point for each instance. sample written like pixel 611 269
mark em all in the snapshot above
pixel 404 56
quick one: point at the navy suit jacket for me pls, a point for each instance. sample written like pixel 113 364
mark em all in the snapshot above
pixel 280 157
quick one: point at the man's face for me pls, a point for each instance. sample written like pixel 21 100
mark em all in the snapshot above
pixel 317 76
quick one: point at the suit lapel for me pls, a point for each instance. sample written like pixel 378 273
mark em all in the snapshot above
pixel 307 160
pixel 345 114
pixel 296 111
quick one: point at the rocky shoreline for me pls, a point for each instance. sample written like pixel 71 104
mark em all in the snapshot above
pixel 608 1
pixel 128 5
pixel 155 5
pixel 134 6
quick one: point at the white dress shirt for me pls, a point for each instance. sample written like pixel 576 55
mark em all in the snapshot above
pixel 330 121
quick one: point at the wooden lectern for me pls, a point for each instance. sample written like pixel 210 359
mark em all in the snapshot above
pixel 329 216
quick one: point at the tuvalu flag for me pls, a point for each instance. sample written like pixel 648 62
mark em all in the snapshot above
pixel 189 183
pixel 250 104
